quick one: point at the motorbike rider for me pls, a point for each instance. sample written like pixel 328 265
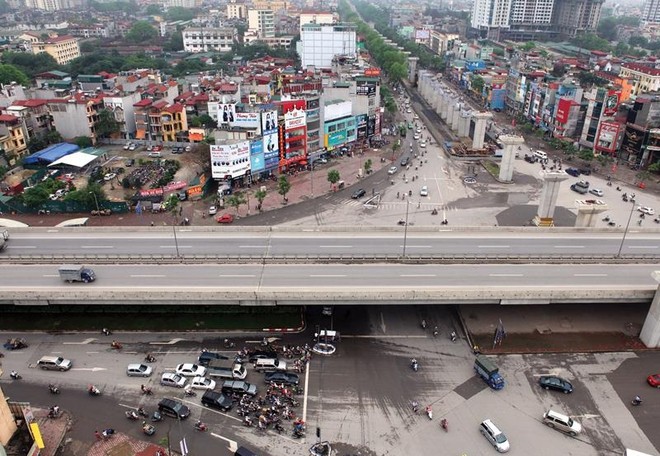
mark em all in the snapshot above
pixel 423 323
pixel 13 374
pixel 637 400
pixel 435 331
pixel 415 406
pixel 413 363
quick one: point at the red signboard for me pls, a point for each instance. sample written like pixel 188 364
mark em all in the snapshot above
pixel 563 110
pixel 372 72
pixel 288 106
pixel 607 137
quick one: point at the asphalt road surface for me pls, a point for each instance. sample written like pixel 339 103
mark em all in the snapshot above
pixel 338 277
pixel 360 397
pixel 262 244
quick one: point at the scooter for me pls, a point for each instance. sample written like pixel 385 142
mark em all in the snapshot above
pixel 199 426
pixel 53 389
pixel 93 391
pixel 637 401
pixel 429 412
pixel 148 429
pixel 150 358
pixel 54 412
pixel 156 417
pixel 414 365
pixel 146 390
pixel 423 324
pixel 444 424
pixel 106 331
pixel 116 345
pixel 15 375
pixel 452 336
pixel 131 415
pixel 107 433
pixel 229 344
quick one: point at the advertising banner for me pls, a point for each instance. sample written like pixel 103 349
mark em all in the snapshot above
pixel 246 119
pixel 335 139
pixel 371 126
pixel 288 106
pixel 606 140
pixel 295 119
pixel 226 113
pixel 372 72
pixel 365 88
pixel 230 159
pixel 257 160
pixel 563 110
pixel 611 103
pixel 271 150
pixel 268 123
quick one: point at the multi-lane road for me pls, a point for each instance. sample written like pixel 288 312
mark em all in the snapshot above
pixel 266 244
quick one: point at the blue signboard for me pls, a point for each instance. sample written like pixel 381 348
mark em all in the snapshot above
pixel 257 160
pixel 336 139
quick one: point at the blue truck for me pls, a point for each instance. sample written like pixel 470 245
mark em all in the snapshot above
pixel 487 370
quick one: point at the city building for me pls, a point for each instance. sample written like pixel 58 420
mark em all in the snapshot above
pixel 12 138
pixel 160 121
pixel 35 115
pixel 122 107
pixel 261 22
pixel 573 17
pixel 320 44
pixel 75 115
pixel 62 48
pixel 236 10
pixel 645 79
pixel 198 39
pixel 292 134
pixel 317 18
pixel 651 12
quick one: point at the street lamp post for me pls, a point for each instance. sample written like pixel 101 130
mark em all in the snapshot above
pixel 96 201
pixel 405 228
pixel 311 178
pixel 625 232
pixel 176 241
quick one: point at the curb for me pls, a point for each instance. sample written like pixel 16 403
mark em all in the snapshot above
pixel 289 330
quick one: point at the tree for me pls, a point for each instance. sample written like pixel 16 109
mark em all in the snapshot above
pixel 175 42
pixel 88 195
pixel 35 196
pixel 478 84
pixel 655 167
pixel 528 46
pixel 586 155
pixel 367 166
pixel 31 64
pixel 141 32
pixel 10 73
pixel 82 141
pixel 260 195
pixel 153 10
pixel 38 142
pixel 236 200
pixel 333 176
pixel 283 187
pixel 106 125
pixel 178 13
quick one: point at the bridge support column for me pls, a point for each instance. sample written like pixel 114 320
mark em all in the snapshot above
pixel 650 334
pixel 551 182
pixel 511 143
pixel 588 212
pixel 480 121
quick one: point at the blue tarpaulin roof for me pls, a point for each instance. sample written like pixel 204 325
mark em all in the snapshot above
pixel 51 153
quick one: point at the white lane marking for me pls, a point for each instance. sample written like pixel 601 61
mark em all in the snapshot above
pixel 252 246
pixel 174 246
pixel 86 341
pixel 494 246
pixel 418 275
pixel 236 275
pixel 233 446
pixel 416 246
pixel 91 369
pixel 51 275
pixel 643 247
pixel 505 275
pixel 148 275
pixel 588 415
pixel 97 246
pixel 382 336
pixel 307 369
pixel 335 246
pixel 569 246
pixel 171 342
pixel 327 275
pixel 21 247
pixel 590 275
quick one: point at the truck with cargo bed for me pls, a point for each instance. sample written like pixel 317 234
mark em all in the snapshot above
pixel 487 370
pixel 76 273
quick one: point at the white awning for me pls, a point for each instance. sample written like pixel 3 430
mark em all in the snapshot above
pixel 74 222
pixel 76 159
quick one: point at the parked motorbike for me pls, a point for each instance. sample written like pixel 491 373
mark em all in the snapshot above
pixel 53 389
pixel 146 390
pixel 15 375
pixel 435 331
pixel 606 218
pixel 116 345
pixel 131 415
pixel 156 416
pixel 453 336
pixel 423 324
pixel 188 392
pixel 142 412
pixel 150 358
pixel 429 412
pixel 637 401
pixel 229 343
pixel 148 429
pixel 434 212
pixel 106 331
pixel 107 433
pixel 54 412
pixel 199 426
pixel 414 365
pixel 93 391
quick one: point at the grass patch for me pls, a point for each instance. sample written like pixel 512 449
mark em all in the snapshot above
pixel 492 168
pixel 156 318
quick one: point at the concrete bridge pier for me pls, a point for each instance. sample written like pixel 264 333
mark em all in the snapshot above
pixel 511 143
pixel 481 119
pixel 551 182
pixel 650 334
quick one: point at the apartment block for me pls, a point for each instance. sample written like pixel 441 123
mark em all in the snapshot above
pixel 197 39
pixel 320 44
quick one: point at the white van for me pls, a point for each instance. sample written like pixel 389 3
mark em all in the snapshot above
pixel 540 155
pixel 494 436
pixel 269 364
pixel 562 422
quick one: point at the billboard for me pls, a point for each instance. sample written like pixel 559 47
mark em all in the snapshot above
pixel 230 159
pixel 607 137
pixel 335 139
pixel 365 88
pixel 268 122
pixel 295 119
pixel 288 106
pixel 226 113
pixel 271 150
pixel 611 102
pixel 245 119
pixel 372 72
pixel 257 161
pixel 563 110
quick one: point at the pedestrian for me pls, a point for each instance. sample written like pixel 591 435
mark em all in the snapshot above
pixel 97 434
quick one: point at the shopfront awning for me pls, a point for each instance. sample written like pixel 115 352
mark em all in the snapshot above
pixel 140 134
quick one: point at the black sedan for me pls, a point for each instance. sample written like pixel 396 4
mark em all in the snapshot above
pixel 282 377
pixel 555 383
pixel 359 193
pixel 573 172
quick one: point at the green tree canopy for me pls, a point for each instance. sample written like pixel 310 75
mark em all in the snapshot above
pixel 106 125
pixel 30 64
pixel 141 32
pixel 333 176
pixel 283 186
pixel 82 141
pixel 178 13
pixel 10 73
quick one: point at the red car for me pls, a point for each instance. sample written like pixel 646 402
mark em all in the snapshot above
pixel 157 148
pixel 225 218
pixel 654 380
